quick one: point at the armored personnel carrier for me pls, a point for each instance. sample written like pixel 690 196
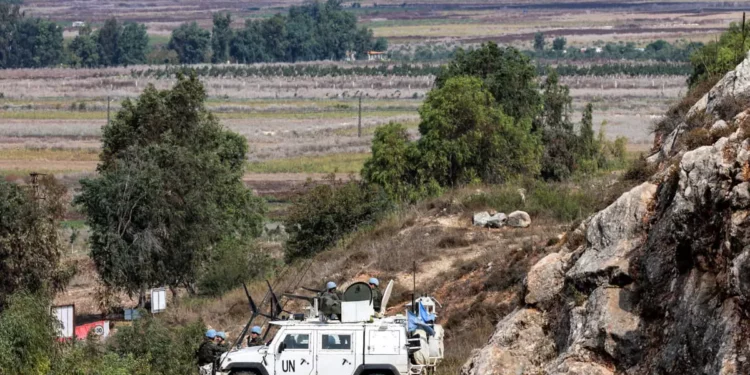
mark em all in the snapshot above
pixel 361 341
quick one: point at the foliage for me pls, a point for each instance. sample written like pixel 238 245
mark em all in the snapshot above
pixel 717 58
pixel 167 350
pixel 559 43
pixel 312 31
pixel 133 44
pixel 221 37
pixel 26 335
pixel 169 189
pixel 330 211
pixel 507 74
pixel 92 358
pixel 30 247
pixel 108 40
pixel 191 43
pixel 83 50
pixel 392 163
pixel 232 262
pixel 558 135
pixel 113 44
pixel 539 41
pixel 28 42
pixel 466 137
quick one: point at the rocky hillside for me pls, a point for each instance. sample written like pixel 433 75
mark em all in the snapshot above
pixel 659 281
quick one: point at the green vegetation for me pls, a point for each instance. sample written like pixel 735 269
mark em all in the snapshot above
pixel 715 59
pixel 330 211
pixel 30 220
pixel 28 42
pixel 171 176
pixel 191 43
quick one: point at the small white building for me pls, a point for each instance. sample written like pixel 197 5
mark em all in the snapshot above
pixel 376 56
pixel 79 24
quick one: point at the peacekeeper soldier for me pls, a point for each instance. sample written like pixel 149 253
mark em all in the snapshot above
pixel 254 339
pixel 221 341
pixel 377 296
pixel 207 353
pixel 330 301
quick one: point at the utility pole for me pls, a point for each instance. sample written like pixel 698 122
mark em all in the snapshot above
pixel 35 184
pixel 359 122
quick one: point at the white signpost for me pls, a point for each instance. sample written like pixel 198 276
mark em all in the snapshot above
pixel 158 300
pixel 66 316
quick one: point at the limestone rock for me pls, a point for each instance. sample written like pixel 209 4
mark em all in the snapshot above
pixel 496 220
pixel 480 219
pixel 611 236
pixel 518 346
pixel 545 279
pixel 519 219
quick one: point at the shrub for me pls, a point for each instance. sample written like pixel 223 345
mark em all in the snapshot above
pixel 328 212
pixel 697 138
pixel 27 332
pixel 640 170
pixel 231 263
pixel 167 350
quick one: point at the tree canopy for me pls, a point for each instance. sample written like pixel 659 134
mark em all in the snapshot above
pixel 716 58
pixel 191 43
pixel 171 175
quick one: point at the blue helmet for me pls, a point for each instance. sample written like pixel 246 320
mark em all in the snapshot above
pixel 222 334
pixel 374 281
pixel 211 333
pixel 255 330
pixel 331 285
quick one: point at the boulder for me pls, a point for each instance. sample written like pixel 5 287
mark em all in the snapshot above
pixel 518 346
pixel 519 219
pixel 480 218
pixel 545 280
pixel 496 220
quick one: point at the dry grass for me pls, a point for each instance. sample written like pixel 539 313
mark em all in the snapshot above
pixel 333 163
pixel 45 154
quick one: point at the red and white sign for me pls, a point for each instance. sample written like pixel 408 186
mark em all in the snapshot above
pixel 100 328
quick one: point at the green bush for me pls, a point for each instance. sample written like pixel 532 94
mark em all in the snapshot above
pixel 232 262
pixel 27 332
pixel 167 350
pixel 328 212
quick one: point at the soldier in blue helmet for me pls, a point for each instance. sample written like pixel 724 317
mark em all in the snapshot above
pixel 221 341
pixel 377 296
pixel 207 352
pixel 255 339
pixel 330 301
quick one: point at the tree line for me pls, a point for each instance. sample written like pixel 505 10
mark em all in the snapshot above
pixel 313 31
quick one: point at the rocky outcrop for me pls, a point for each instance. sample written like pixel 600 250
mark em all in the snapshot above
pixel 519 219
pixel 656 283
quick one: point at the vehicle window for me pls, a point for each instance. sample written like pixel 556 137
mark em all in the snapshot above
pixel 297 341
pixel 336 342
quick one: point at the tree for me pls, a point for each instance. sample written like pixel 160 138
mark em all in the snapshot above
pixel 169 190
pixel 247 45
pixel 587 141
pixel 27 332
pixel 539 41
pixel 558 135
pixel 559 43
pixel 392 165
pixel 83 50
pixel 274 34
pixel 715 59
pixel 221 37
pixel 108 39
pixel 467 138
pixel 507 74
pixel 30 247
pixel 381 44
pixel 191 43
pixel 328 212
pixel 35 43
pixel 133 43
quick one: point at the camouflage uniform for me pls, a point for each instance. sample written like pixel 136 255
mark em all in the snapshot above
pixel 207 352
pixel 330 303
pixel 377 298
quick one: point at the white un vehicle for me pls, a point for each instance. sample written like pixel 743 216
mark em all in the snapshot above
pixel 361 342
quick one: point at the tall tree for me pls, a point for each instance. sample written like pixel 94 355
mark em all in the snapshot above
pixel 191 43
pixel 558 135
pixel 274 34
pixel 587 139
pixel 30 247
pixel 559 43
pixel 247 45
pixel 539 41
pixel 221 37
pixel 84 52
pixel 507 74
pixel 169 189
pixel 133 43
pixel 108 39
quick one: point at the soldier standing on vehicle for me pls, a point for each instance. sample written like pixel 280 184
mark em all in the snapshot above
pixel 207 353
pixel 330 301
pixel 254 339
pixel 377 296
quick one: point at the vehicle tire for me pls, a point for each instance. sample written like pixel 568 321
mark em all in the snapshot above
pixel 244 372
